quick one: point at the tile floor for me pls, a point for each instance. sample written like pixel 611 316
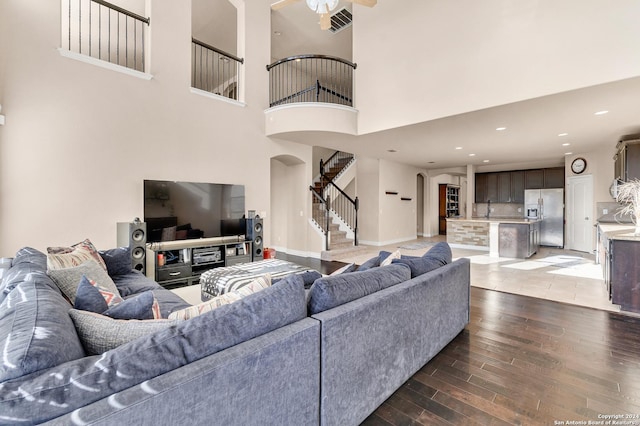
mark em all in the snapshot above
pixel 554 274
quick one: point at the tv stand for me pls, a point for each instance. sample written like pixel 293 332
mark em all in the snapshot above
pixel 185 260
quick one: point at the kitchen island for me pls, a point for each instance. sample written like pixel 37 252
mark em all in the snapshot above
pixel 619 252
pixel 483 233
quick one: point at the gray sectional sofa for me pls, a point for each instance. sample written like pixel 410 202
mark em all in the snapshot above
pixel 329 355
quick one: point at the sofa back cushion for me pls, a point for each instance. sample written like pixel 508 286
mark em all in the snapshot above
pixel 83 381
pixel 35 329
pixel 439 255
pixel 117 260
pixel 27 260
pixel 336 290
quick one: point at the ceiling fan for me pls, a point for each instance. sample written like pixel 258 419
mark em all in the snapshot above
pixel 322 7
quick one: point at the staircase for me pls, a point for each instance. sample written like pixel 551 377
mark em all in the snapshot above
pixel 341 208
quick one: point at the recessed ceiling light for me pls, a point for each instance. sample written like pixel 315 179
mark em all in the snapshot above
pixel 458 147
pixel 485 161
pixel 431 162
pixel 501 128
pixel 472 155
pixel 601 112
pixel 563 134
pixel 566 144
pixel 391 150
pixel 568 153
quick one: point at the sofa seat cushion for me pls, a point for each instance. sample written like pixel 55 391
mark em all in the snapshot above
pixel 439 255
pixel 36 332
pixel 336 290
pixel 81 382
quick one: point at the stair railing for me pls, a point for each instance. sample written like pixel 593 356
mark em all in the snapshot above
pixel 298 79
pixel 321 216
pixel 342 205
pixel 106 32
pixel 337 157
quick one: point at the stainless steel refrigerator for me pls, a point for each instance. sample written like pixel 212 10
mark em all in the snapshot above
pixel 549 204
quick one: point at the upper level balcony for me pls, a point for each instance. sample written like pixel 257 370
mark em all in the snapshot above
pixel 311 93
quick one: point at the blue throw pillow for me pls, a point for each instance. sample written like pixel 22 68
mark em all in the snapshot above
pixel 118 260
pixel 139 307
pixel 329 292
pixel 374 262
pixel 89 298
pixel 308 278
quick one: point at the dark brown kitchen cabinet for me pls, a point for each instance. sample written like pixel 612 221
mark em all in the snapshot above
pixel 554 177
pixel 627 159
pixel 481 187
pixel 492 187
pixel 504 187
pixel 508 187
pixel 534 179
pixel 517 187
pixel 625 274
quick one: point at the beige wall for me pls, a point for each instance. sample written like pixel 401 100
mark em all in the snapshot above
pixel 368 189
pixel 80 139
pixel 522 39
pixel 600 166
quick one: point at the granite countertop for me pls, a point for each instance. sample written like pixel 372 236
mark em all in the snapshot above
pixel 619 231
pixel 518 219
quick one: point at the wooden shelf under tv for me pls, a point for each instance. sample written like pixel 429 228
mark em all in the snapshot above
pixel 182 268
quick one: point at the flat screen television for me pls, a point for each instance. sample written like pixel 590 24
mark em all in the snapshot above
pixel 187 210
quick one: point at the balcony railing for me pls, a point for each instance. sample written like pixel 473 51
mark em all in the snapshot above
pixel 105 31
pixel 214 70
pixel 311 78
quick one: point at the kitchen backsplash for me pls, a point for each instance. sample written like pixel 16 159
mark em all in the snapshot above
pixel 499 210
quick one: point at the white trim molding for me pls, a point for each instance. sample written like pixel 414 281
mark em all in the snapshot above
pixel 103 64
pixel 210 95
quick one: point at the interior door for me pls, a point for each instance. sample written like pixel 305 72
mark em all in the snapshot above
pixel 580 218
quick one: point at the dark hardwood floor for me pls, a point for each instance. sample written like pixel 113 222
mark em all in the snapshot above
pixel 526 361
pixel 522 361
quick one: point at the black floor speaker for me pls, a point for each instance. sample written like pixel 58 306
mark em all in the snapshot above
pixel 134 235
pixel 254 234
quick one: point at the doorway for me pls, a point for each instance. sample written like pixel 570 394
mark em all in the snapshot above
pixel 420 206
pixel 580 213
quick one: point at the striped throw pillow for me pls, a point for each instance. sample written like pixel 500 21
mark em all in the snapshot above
pixel 256 285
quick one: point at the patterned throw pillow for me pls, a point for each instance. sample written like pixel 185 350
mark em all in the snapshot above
pixel 142 306
pixel 94 298
pixel 68 280
pixel 100 333
pixel 77 254
pixel 90 296
pixel 256 285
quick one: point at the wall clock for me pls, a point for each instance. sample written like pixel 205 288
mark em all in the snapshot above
pixel 578 165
